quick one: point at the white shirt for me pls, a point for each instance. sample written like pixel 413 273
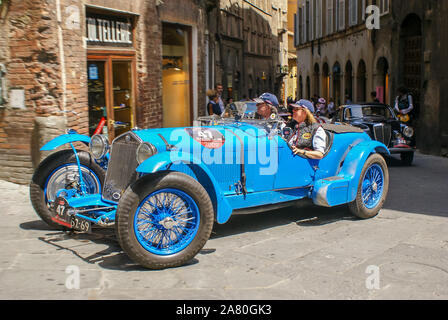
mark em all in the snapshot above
pixel 320 140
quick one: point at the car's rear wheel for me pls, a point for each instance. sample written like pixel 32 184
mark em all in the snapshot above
pixel 372 188
pixel 164 220
pixel 60 171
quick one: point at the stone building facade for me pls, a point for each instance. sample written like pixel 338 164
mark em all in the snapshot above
pixel 249 47
pixel 71 63
pixel 340 57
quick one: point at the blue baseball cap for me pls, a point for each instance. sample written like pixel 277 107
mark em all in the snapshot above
pixel 268 98
pixel 303 103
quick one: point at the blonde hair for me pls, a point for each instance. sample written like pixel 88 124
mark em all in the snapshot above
pixel 211 93
pixel 309 117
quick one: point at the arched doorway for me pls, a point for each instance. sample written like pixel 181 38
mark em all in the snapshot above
pixel 308 88
pixel 348 81
pixel 326 81
pixel 382 80
pixel 411 61
pixel 361 82
pixel 316 79
pixel 337 84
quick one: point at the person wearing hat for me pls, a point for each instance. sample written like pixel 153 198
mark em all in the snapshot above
pixel 322 107
pixel 267 105
pixel 309 138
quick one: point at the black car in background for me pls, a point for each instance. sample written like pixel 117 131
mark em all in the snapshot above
pixel 381 123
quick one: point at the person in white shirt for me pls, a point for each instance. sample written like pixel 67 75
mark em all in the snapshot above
pixel 309 138
pixel 403 102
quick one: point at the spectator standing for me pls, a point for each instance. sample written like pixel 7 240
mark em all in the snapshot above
pixel 213 104
pixel 219 89
pixel 331 109
pixel 373 97
pixel 403 104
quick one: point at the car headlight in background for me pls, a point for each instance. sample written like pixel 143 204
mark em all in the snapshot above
pixel 98 146
pixel 408 132
pixel 144 151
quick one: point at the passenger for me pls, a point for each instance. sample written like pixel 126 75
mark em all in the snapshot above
pixel 309 138
pixel 267 105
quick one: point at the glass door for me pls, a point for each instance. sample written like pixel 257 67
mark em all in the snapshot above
pixel 176 83
pixel 111 94
pixel 97 97
pixel 122 96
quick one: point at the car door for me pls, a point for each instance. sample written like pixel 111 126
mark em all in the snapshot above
pixel 294 171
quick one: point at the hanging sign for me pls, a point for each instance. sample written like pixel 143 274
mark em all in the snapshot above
pixel 108 30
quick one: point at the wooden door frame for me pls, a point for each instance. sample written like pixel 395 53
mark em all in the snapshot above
pixel 108 57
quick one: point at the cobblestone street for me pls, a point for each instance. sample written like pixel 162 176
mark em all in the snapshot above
pixel 293 253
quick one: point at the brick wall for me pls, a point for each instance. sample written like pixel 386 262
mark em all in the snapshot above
pixel 33 45
pixel 32 66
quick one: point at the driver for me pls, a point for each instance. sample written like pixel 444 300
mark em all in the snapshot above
pixel 309 138
pixel 267 105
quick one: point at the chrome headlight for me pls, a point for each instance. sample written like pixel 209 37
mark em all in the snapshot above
pixel 144 151
pixel 98 146
pixel 408 132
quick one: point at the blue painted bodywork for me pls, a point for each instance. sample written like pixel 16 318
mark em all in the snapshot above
pixel 64 139
pixel 254 166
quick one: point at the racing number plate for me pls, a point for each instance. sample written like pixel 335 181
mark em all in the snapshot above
pixel 60 207
pixel 81 224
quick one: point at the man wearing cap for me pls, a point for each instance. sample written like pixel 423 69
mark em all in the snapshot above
pixel 267 104
pixel 309 138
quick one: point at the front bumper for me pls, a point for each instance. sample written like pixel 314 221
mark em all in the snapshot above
pixel 91 208
pixel 401 149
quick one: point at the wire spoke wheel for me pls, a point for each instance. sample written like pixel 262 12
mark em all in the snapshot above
pixel 166 221
pixel 67 177
pixel 59 171
pixel 372 186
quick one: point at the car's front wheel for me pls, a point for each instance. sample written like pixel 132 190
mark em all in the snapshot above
pixel 60 171
pixel 372 188
pixel 164 220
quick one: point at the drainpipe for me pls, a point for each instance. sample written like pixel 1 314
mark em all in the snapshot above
pixel 61 58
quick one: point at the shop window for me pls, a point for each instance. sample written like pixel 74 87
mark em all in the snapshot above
pixel 111 95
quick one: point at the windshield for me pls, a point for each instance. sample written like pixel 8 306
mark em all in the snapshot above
pixel 241 111
pixel 360 112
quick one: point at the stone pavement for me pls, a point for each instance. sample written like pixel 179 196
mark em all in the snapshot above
pixel 293 253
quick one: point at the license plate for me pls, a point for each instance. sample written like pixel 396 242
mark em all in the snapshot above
pixel 80 224
pixel 60 208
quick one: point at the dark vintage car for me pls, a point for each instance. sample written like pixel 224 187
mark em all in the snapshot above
pixel 381 123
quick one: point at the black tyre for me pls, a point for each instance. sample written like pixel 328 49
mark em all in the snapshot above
pixel 60 171
pixel 407 158
pixel 372 189
pixel 163 220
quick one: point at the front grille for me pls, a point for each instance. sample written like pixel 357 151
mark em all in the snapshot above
pixel 121 167
pixel 383 133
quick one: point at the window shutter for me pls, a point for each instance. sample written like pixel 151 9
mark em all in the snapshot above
pixel 341 14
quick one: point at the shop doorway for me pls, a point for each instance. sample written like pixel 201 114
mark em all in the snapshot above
pixel 176 76
pixel 111 94
pixel 412 57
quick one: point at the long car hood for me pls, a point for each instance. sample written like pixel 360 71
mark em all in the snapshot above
pixel 188 138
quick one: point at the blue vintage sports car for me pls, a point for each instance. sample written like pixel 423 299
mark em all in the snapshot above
pixel 163 189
